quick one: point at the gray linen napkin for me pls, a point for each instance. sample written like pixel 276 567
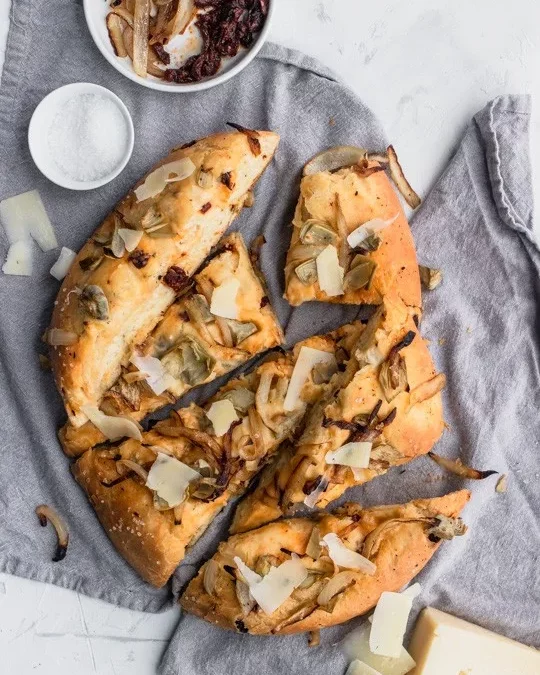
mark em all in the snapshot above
pixel 483 325
pixel 49 46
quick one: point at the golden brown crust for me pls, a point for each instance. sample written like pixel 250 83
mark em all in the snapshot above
pixel 149 539
pixel 413 431
pixel 183 321
pixel 399 549
pixel 137 297
pixel 361 199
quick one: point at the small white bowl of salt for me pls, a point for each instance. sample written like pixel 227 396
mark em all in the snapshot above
pixel 81 136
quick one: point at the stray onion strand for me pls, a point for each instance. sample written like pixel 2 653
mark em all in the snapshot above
pixel 459 469
pixel 47 514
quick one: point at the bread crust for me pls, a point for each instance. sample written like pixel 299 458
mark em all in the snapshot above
pixel 138 297
pixel 413 431
pixel 182 321
pixel 150 540
pixel 399 550
pixel 361 199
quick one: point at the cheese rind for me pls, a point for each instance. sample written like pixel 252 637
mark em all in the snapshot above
pixel 445 645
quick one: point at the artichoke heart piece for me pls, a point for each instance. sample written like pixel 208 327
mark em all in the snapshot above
pixel 241 330
pixel 94 303
pixel 370 243
pixel 393 376
pixel 188 362
pixel 199 309
pixel 90 263
pixel 361 273
pixel 307 272
pixel 317 232
pixel 241 398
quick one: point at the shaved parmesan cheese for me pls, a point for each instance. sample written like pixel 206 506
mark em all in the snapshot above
pixel 329 272
pixel 307 359
pixel 158 179
pixel 313 497
pixel 156 377
pixel 62 265
pixel 131 238
pixel 356 646
pixel 110 426
pixel 351 454
pixel 222 414
pixel 356 237
pixel 413 591
pixel 223 301
pixel 345 557
pixel 389 624
pixel 170 478
pixel 19 259
pixel 24 216
pixel 272 590
pixel 361 668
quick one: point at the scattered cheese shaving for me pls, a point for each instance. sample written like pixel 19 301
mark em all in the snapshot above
pixel 313 497
pixel 345 557
pixel 272 590
pixel 110 426
pixel 329 272
pixel 156 181
pixel 307 359
pixel 351 454
pixel 412 591
pixel 223 302
pixel 356 237
pixel 156 377
pixel 62 265
pixel 24 216
pixel 389 624
pixel 170 478
pixel 222 414
pixel 131 238
pixel 19 259
pixel 356 646
pixel 360 668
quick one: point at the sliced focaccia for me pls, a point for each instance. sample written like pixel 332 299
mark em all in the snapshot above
pixel 191 346
pixel 351 242
pixel 385 410
pixel 142 256
pixel 335 567
pixel 226 442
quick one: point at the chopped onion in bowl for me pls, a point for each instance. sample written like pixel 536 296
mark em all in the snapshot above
pixel 113 427
pixel 64 262
pixel 345 557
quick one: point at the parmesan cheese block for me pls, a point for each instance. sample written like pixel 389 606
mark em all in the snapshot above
pixel 444 645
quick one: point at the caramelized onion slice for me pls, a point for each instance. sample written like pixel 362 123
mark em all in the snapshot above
pixel 336 585
pixel 136 468
pixel 115 27
pixel 334 158
pixel 47 514
pixel 141 19
pixel 458 469
pixel 402 184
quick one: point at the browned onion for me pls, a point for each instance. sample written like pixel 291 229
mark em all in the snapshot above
pixel 47 514
pixel 458 468
pixel 402 184
pixel 136 468
pixel 336 585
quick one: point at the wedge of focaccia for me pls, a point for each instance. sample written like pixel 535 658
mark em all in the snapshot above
pixel 385 410
pixel 152 536
pixel 323 587
pixel 193 345
pixel 113 297
pixel 322 264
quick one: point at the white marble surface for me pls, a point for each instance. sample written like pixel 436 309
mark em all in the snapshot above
pixel 424 67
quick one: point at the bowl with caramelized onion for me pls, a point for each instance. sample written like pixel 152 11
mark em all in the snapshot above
pixel 179 45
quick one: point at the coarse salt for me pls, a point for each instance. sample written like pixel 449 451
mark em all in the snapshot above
pixel 88 137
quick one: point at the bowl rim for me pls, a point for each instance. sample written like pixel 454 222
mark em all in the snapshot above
pixel 180 88
pixel 67 182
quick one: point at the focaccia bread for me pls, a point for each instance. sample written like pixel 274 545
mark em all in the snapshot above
pixel 397 540
pixel 111 298
pixel 152 537
pixel 330 207
pixel 193 345
pixel 388 399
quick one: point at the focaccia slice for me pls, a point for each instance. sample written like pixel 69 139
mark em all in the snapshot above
pixel 152 537
pixel 331 206
pixel 398 540
pixel 193 345
pixel 388 397
pixel 112 298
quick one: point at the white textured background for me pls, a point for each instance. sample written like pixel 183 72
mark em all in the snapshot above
pixel 424 67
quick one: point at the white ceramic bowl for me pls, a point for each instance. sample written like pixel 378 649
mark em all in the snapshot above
pixel 95 12
pixel 40 124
